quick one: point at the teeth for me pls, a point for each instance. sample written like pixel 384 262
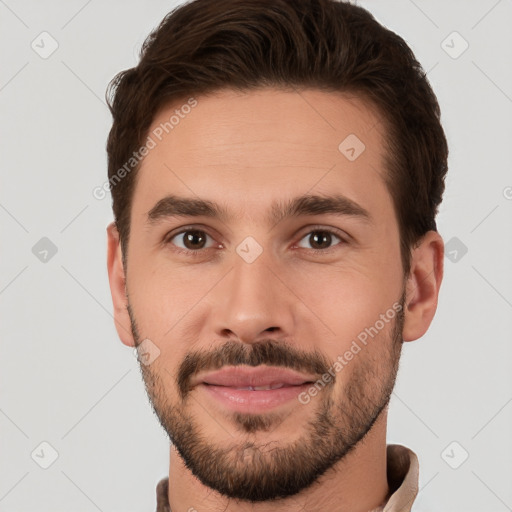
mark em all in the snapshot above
pixel 262 388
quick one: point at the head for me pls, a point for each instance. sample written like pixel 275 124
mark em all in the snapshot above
pixel 251 128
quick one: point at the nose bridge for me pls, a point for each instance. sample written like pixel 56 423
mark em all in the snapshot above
pixel 251 300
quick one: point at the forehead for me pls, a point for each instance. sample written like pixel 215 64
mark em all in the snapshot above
pixel 244 147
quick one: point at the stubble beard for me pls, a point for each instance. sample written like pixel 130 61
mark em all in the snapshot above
pixel 247 468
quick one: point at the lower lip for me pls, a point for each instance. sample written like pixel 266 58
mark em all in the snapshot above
pixel 245 400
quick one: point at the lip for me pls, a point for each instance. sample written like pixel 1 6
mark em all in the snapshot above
pixel 225 387
pixel 245 376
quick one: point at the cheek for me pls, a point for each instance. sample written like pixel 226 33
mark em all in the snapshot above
pixel 170 305
pixel 161 295
pixel 348 300
pixel 362 361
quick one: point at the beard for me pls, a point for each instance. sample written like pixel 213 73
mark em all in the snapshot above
pixel 246 469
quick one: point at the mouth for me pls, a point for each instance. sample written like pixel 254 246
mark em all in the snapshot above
pixel 253 389
pixel 264 377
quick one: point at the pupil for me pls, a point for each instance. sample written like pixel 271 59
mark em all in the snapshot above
pixel 323 241
pixel 192 237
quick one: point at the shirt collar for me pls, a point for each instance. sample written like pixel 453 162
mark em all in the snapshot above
pixel 403 476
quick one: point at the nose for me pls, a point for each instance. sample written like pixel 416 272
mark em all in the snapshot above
pixel 253 303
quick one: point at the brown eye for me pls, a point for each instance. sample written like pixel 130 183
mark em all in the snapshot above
pixel 189 240
pixel 194 239
pixel 320 239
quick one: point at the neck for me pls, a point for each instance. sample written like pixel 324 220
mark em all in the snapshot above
pixel 357 483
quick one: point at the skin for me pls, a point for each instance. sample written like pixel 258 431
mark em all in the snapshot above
pixel 244 151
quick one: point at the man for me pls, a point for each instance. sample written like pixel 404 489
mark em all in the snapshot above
pixel 276 168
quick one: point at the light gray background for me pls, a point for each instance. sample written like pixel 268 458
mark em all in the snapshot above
pixel 67 380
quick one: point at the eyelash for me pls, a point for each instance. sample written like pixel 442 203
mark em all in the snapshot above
pixel 199 252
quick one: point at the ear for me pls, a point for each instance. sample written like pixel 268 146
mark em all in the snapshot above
pixel 423 285
pixel 117 279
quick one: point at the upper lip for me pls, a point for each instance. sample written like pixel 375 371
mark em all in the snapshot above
pixel 236 376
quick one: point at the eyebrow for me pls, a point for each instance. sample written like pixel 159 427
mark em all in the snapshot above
pixel 306 205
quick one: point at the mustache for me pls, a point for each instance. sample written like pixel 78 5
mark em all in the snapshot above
pixel 232 353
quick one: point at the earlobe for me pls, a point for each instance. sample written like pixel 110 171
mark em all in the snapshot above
pixel 423 284
pixel 117 280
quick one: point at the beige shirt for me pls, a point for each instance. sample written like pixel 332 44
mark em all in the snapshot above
pixel 402 472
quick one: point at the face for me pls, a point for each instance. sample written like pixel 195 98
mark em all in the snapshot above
pixel 275 264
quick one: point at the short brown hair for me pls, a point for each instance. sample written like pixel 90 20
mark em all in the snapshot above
pixel 204 46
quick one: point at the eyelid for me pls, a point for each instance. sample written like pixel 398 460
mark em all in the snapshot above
pixel 342 235
pixel 183 229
